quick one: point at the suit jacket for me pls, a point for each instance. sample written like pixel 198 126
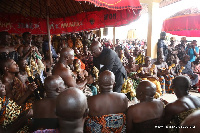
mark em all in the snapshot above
pixel 109 60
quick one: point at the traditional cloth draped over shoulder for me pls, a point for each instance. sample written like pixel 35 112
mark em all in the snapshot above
pixel 150 126
pixel 10 111
pixel 115 123
pixel 178 119
pixel 18 89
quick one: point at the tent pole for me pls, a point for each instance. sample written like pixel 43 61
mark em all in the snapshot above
pixel 48 32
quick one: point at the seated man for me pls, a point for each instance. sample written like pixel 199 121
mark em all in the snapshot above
pixel 188 70
pixel 63 70
pixel 71 109
pixel 146 115
pixel 44 110
pixel 148 73
pixel 191 123
pixel 107 108
pixel 14 87
pixel 165 77
pixel 13 116
pixel 177 111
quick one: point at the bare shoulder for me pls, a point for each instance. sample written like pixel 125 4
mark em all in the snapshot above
pixel 175 107
pixel 59 69
pixel 133 111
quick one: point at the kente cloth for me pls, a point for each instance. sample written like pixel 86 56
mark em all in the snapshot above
pixel 162 83
pixel 173 126
pixel 150 126
pixel 140 59
pixel 10 111
pixel 18 89
pixel 168 83
pixel 47 131
pixel 112 123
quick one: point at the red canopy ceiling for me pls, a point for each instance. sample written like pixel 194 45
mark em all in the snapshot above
pixel 15 23
pixel 116 4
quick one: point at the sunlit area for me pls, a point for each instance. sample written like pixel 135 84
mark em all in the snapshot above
pixel 140 26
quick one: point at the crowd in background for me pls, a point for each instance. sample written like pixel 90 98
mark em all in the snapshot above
pixel 31 79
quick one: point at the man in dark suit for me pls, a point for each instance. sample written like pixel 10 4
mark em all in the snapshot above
pixel 107 59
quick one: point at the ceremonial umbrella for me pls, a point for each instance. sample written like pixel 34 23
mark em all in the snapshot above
pixel 59 16
pixel 116 4
pixel 18 16
pixel 184 23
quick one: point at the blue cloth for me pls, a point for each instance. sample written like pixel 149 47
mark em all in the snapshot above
pixel 45 48
pixel 191 53
pixel 93 89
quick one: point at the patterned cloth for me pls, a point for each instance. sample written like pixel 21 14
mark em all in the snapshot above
pixel 10 111
pixel 162 83
pixel 168 82
pixel 18 89
pixel 177 120
pixel 112 123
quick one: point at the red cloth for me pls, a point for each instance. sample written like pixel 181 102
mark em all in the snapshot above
pixel 116 4
pixel 84 21
pixel 186 25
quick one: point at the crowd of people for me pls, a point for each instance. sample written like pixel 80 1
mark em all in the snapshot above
pixel 84 84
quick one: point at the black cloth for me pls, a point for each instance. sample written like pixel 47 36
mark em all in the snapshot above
pixel 45 123
pixel 150 126
pixel 109 60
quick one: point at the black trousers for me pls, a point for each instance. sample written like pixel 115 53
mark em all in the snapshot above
pixel 119 80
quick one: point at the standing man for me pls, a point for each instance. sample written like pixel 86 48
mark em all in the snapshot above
pixel 107 59
pixel 161 46
pixel 193 51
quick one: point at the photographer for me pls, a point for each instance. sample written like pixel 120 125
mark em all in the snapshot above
pixel 192 50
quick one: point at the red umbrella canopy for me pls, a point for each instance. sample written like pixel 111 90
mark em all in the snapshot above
pixel 116 4
pixel 184 23
pixel 65 16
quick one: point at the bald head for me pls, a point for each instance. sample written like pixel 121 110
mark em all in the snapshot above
pixel 65 52
pixel 67 55
pixel 52 83
pixel 71 104
pixel 182 83
pixel 146 88
pixel 106 80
